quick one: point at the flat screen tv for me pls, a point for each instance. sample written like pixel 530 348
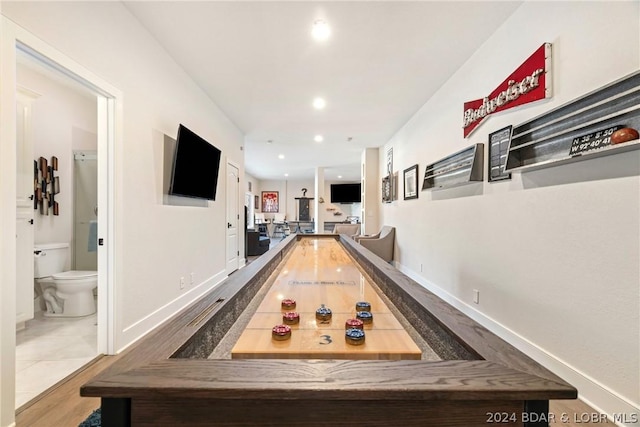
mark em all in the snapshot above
pixel 196 164
pixel 345 193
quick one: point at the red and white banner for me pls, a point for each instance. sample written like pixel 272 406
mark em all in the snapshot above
pixel 530 82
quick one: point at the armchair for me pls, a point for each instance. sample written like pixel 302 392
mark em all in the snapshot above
pixel 351 230
pixel 367 236
pixel 256 243
pixel 380 244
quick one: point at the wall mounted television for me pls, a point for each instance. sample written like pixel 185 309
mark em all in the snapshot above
pixel 196 164
pixel 345 193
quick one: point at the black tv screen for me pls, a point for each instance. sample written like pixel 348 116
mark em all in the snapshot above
pixel 345 193
pixel 196 164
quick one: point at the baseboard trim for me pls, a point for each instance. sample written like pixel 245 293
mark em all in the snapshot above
pixel 592 392
pixel 145 325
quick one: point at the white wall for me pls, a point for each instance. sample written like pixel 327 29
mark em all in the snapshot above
pixel 253 182
pixel 61 117
pixel 7 253
pixel 157 243
pixel 345 209
pixel 274 185
pixel 294 189
pixel 372 191
pixel 554 253
pixel 287 192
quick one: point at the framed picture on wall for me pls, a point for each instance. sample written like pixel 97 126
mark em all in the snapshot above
pixel 270 201
pixel 256 202
pixel 387 196
pixel 411 182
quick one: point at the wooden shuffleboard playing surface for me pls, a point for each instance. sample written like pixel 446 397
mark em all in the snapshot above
pixel 319 271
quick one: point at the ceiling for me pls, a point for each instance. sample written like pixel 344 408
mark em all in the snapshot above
pixel 258 62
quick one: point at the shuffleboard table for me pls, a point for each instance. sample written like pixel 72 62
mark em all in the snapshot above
pixel 169 379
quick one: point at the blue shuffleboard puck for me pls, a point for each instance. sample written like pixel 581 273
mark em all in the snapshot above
pixel 354 336
pixel 363 306
pixel 365 316
pixel 323 313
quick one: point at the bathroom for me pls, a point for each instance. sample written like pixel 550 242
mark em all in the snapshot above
pixel 57 120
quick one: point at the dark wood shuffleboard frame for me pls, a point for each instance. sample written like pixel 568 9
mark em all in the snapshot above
pixel 165 379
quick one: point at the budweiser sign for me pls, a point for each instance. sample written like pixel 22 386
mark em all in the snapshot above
pixel 530 82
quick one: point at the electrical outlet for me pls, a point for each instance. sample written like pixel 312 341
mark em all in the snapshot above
pixel 182 283
pixel 420 267
pixel 476 296
pixel 192 278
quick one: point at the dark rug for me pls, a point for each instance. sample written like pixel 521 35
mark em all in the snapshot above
pixel 93 420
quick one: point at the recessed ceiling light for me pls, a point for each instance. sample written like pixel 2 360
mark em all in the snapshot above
pixel 319 103
pixel 339 176
pixel 321 30
pixel 281 156
pixel 318 138
pixel 286 174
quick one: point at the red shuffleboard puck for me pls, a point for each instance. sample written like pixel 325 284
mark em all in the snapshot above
pixel 281 332
pixel 353 324
pixel 291 318
pixel 288 304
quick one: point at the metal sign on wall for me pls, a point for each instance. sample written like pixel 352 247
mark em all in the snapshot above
pixel 530 82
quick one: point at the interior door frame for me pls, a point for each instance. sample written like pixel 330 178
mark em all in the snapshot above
pixel 14 38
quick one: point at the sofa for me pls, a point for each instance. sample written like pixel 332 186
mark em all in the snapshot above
pixel 257 244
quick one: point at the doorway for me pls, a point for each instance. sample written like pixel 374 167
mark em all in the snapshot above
pixel 16 45
pixel 52 342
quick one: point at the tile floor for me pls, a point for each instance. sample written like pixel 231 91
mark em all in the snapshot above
pixel 49 349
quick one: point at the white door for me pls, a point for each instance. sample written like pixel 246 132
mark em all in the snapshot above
pixel 24 206
pixel 24 267
pixel 233 218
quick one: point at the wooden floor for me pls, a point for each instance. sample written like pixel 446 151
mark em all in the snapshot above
pixel 62 406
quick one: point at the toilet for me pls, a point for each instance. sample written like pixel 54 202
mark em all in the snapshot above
pixel 66 293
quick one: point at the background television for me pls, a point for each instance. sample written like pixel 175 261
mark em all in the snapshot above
pixel 345 193
pixel 196 165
